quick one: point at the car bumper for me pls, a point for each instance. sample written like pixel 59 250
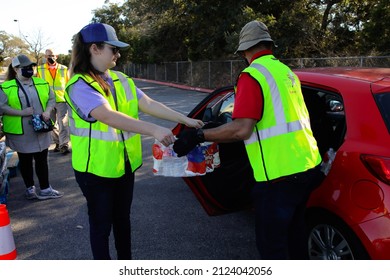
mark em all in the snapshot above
pixel 375 235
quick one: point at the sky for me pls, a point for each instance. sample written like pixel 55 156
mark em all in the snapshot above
pixel 56 21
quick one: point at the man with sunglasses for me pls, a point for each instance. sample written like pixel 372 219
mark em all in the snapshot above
pixel 56 75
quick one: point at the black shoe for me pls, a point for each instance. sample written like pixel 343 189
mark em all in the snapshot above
pixel 64 150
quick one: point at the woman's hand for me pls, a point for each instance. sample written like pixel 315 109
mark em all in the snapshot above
pixel 164 135
pixel 193 122
pixel 46 116
pixel 27 112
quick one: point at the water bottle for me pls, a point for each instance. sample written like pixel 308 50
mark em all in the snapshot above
pixel 172 165
pixel 326 165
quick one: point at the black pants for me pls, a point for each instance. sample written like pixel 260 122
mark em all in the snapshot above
pixel 41 168
pixel 109 202
pixel 280 215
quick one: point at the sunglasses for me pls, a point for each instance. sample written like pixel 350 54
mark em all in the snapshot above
pixel 114 50
pixel 26 67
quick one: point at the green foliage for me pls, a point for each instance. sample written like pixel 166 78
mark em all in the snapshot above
pixel 376 34
pixel 193 30
pixel 64 59
pixel 10 46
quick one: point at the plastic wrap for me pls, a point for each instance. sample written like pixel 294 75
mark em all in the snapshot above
pixel 201 160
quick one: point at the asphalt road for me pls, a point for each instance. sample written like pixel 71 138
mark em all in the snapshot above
pixel 168 223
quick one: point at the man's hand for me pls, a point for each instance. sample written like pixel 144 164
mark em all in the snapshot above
pixel 188 139
pixel 212 125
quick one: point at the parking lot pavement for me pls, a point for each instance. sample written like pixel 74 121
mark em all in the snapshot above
pixel 168 222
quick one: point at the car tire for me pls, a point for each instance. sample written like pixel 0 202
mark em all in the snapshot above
pixel 329 238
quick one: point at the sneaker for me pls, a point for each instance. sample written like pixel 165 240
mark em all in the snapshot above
pixel 64 150
pixel 49 193
pixel 57 148
pixel 31 193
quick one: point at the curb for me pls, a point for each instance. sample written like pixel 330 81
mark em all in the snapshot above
pixel 175 85
pixel 206 90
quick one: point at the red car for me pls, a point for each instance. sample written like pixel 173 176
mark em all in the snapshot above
pixel 348 215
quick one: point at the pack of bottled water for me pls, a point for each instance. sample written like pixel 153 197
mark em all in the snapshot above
pixel 202 159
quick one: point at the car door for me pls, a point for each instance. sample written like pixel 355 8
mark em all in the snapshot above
pixel 227 188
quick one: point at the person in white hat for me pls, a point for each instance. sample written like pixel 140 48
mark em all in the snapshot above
pixel 21 96
pixel 270 116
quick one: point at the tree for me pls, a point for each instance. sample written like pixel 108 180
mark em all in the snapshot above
pixel 376 32
pixel 120 18
pixel 37 44
pixel 10 46
pixel 209 29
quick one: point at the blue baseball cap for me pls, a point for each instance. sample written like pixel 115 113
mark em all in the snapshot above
pixel 101 32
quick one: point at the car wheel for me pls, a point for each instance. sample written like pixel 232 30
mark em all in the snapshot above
pixel 331 239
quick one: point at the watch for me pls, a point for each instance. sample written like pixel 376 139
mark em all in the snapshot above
pixel 200 135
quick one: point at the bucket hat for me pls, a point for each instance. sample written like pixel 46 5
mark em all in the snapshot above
pixel 251 34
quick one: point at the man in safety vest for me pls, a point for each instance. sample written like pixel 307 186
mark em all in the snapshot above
pixel 271 117
pixel 57 76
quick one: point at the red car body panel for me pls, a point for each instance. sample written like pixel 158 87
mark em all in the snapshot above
pixel 350 190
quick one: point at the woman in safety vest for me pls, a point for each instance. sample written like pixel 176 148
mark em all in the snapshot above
pixel 21 96
pixel 271 117
pixel 105 134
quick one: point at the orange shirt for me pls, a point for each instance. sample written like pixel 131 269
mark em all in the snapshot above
pixel 52 69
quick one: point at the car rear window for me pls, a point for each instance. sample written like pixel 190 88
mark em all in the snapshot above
pixel 383 101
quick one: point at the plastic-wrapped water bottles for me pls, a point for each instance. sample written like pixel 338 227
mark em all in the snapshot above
pixel 166 161
pixel 327 162
pixel 202 159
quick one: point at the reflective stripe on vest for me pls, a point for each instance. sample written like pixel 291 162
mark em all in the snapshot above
pixel 110 135
pixel 280 144
pixel 278 130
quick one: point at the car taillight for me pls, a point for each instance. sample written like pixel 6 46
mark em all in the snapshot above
pixel 378 166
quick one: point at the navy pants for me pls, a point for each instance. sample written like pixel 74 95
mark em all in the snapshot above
pixel 280 215
pixel 109 202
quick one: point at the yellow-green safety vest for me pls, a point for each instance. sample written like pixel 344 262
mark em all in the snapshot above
pixel 282 142
pixel 96 147
pixel 57 83
pixel 14 124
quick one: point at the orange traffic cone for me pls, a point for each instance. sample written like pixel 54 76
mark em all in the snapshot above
pixel 7 243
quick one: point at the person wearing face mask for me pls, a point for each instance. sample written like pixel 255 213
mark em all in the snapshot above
pixel 57 76
pixel 105 133
pixel 271 117
pixel 21 96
